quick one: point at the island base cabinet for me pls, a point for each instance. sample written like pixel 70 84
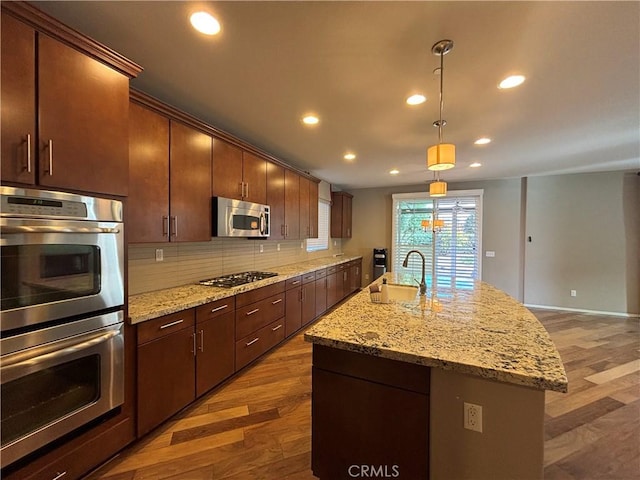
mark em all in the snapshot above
pixel 368 413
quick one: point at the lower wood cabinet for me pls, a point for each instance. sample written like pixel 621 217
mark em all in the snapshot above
pixel 321 291
pixel 368 411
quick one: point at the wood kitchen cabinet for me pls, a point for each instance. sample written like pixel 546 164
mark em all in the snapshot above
pixel 305 226
pixel 341 214
pixel 171 164
pixel 313 209
pixel 355 275
pixel 321 291
pixel 334 293
pixel 82 105
pixel 291 205
pixel 293 305
pixel 275 200
pixel 238 174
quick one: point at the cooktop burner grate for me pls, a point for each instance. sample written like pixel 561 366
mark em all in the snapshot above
pixel 233 280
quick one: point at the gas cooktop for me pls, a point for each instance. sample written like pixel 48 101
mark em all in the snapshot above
pixel 228 281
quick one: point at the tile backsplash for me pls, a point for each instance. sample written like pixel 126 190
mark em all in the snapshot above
pixel 185 263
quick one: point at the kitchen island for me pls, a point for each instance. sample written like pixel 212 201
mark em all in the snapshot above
pixel 390 384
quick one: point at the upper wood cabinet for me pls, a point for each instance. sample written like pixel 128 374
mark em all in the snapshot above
pixel 170 163
pixel 341 214
pixel 305 231
pixel 313 209
pixel 291 205
pixel 79 104
pixel 238 174
pixel 275 200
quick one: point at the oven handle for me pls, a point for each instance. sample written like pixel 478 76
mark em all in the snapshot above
pixel 57 349
pixel 52 229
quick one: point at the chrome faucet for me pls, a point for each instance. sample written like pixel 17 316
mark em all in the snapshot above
pixel 423 284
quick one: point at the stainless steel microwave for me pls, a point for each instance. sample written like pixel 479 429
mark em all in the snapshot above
pixel 236 218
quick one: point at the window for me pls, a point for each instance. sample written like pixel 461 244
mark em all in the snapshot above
pixel 322 242
pixel 458 244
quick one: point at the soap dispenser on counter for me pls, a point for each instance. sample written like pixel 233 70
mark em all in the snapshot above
pixel 384 292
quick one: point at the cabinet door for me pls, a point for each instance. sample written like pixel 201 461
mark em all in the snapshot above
pixel 313 209
pixel 308 302
pixel 215 359
pixel 227 170
pixel 346 281
pixel 83 121
pixel 275 199
pixel 148 202
pixel 293 310
pixel 190 184
pixel 346 217
pixel 166 377
pixel 321 296
pixel 18 102
pixel 332 289
pixel 336 215
pixel 254 175
pixel 304 208
pixel 291 205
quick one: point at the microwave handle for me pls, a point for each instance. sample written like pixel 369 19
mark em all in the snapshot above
pixel 263 223
pixel 53 229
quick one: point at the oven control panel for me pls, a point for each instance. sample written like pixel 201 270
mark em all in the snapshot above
pixel 42 207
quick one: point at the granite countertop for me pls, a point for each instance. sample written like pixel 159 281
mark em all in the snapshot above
pixel 146 306
pixel 479 331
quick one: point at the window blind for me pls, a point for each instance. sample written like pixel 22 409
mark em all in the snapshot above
pixel 458 242
pixel 322 242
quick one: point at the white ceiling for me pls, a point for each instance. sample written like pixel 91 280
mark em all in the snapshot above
pixel 354 63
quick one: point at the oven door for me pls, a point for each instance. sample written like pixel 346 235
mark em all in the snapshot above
pixel 57 379
pixel 52 269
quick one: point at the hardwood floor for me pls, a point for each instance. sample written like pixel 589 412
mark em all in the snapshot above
pixel 257 426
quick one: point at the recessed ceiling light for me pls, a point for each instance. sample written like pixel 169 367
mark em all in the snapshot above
pixel 205 23
pixel 512 81
pixel 349 156
pixel 394 171
pixel 310 120
pixel 482 141
pixel 475 165
pixel 416 99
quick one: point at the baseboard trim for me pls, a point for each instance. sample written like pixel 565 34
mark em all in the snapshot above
pixel 580 310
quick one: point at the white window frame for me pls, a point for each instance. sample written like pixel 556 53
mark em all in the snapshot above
pixel 322 242
pixel 425 195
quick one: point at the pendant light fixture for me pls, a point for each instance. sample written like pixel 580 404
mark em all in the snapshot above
pixel 441 156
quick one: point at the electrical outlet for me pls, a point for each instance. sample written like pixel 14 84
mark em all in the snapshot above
pixel 574 293
pixel 366 276
pixel 335 243
pixel 159 255
pixel 302 244
pixel 261 248
pixel 278 247
pixel 473 417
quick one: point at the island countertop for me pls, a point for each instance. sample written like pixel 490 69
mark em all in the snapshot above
pixel 479 331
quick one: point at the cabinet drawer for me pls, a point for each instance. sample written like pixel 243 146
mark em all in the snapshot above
pixel 251 347
pixel 293 282
pixel 255 316
pixel 331 269
pixel 215 309
pixel 165 325
pixel 321 273
pixel 261 293
pixel 308 277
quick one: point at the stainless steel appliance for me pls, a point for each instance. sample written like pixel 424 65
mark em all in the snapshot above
pixel 61 255
pixel 236 218
pixel 235 279
pixel 57 379
pixel 62 322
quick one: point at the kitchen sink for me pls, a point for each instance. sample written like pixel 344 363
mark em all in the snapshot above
pixel 402 292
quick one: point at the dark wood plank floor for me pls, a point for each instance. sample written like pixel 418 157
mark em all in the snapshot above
pixel 257 426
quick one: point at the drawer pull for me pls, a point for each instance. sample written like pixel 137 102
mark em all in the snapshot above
pixel 276 301
pixel 253 341
pixel 171 324
pixel 59 475
pixel 252 311
pixel 276 328
pixel 219 308
pixel 295 282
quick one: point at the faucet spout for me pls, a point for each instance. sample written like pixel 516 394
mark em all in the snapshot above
pixel 423 284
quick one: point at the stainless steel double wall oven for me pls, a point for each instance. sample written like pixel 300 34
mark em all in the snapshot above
pixel 62 345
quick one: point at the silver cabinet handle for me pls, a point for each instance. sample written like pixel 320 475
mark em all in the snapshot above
pixel 165 226
pixel 201 340
pixel 219 308
pixel 29 155
pixel 59 475
pixel 276 328
pixel 171 324
pixel 246 185
pixel 282 227
pixel 295 282
pixel 253 341
pixel 174 233
pixel 252 312
pixel 193 335
pixel 50 147
pixel 276 301
pixel 309 277
pixel 241 184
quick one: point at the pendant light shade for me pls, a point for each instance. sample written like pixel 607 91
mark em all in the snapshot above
pixel 441 156
pixel 438 188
